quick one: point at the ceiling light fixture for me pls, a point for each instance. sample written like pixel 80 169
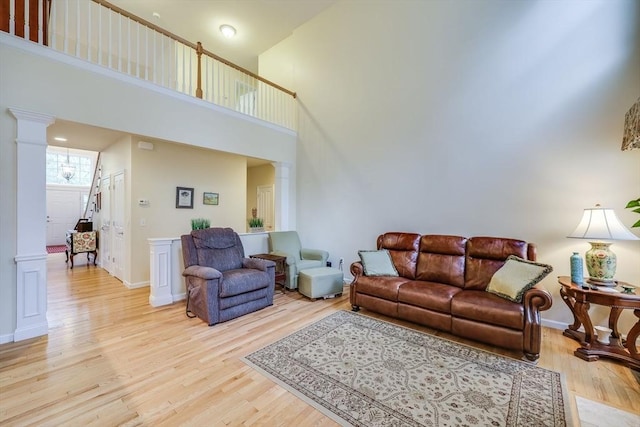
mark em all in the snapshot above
pixel 227 30
pixel 67 170
pixel 61 139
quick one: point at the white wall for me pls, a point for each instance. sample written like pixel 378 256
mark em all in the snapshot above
pixel 155 176
pixel 469 118
pixel 37 79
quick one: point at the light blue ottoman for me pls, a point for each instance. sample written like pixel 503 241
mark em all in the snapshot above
pixel 320 282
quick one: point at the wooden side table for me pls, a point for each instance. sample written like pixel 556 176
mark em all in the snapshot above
pixel 579 299
pixel 281 268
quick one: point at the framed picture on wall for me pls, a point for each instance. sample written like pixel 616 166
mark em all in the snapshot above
pixel 184 198
pixel 210 198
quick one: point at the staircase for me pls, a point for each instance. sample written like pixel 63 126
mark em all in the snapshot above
pixel 94 201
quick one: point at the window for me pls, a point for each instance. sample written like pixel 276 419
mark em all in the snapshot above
pixel 83 164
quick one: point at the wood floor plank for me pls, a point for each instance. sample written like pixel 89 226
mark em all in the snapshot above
pixel 112 359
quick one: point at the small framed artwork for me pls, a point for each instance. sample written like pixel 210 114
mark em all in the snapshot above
pixel 184 198
pixel 210 198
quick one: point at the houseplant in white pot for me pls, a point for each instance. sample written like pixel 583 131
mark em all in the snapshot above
pixel 256 225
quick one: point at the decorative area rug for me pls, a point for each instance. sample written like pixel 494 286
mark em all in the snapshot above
pixel 56 249
pixel 365 372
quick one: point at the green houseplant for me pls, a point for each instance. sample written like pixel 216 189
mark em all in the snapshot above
pixel 635 205
pixel 200 223
pixel 256 225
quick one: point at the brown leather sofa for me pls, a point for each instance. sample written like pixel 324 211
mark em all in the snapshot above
pixel 441 284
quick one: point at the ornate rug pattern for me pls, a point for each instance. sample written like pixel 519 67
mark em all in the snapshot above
pixel 365 372
pixel 56 249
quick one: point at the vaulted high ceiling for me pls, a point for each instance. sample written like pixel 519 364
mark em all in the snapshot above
pixel 260 24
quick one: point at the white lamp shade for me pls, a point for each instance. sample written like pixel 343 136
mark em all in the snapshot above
pixel 601 224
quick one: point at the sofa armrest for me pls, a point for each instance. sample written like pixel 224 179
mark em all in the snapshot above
pixel 356 270
pixel 258 263
pixel 317 254
pixel 534 301
pixel 537 299
pixel 206 273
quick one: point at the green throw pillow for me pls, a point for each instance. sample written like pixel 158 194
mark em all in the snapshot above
pixel 516 277
pixel 377 263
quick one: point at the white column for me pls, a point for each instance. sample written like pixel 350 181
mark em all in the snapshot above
pixel 160 263
pixel 31 222
pixel 282 190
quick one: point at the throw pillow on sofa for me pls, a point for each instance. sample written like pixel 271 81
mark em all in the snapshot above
pixel 516 277
pixel 377 263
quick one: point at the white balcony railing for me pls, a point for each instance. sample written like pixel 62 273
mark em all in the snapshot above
pixel 101 33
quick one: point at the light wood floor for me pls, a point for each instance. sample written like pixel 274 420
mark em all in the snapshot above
pixel 112 359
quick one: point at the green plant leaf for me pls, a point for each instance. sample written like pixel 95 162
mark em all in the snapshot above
pixel 637 224
pixel 633 204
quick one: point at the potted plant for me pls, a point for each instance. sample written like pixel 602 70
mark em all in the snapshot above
pixel 256 225
pixel 200 223
pixel 635 205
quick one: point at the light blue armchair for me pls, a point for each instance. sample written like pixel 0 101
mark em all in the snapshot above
pixel 287 243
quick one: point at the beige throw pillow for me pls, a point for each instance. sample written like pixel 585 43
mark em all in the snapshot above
pixel 516 277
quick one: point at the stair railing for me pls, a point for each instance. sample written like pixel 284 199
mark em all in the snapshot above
pixel 102 33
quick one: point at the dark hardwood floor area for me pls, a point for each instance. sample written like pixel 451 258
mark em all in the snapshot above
pixel 110 358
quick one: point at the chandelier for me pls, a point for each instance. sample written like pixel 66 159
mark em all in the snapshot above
pixel 67 170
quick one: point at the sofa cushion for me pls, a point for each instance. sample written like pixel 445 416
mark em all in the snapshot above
pixel 484 307
pixel 377 263
pixel 441 259
pixel 516 277
pixel 430 295
pixel 381 286
pixel 403 248
pixel 485 255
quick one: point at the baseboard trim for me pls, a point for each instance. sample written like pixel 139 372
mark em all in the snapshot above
pixel 554 324
pixel 136 285
pixel 4 339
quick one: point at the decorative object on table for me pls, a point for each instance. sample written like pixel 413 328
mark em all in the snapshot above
pixel 603 334
pixel 628 289
pixel 200 223
pixel 256 225
pixel 210 198
pixel 598 224
pixel 577 272
pixel 363 371
pixel 184 198
pixel 631 136
pixel 635 205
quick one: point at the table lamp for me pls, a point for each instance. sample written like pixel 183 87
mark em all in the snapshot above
pixel 598 224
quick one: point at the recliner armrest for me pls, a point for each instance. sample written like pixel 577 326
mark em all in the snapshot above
pixel 206 273
pixel 257 263
pixel 317 254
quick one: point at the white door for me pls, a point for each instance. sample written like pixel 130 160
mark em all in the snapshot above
pixel 118 225
pixel 266 209
pixel 63 212
pixel 104 243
